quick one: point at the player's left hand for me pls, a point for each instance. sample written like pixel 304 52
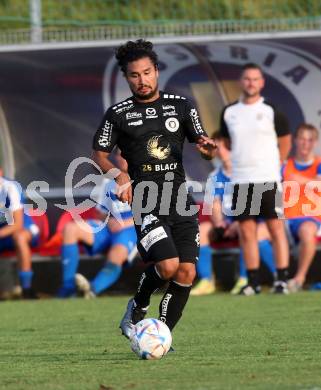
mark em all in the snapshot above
pixel 206 146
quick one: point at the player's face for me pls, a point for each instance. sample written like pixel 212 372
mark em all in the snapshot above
pixel 142 78
pixel 305 142
pixel 252 82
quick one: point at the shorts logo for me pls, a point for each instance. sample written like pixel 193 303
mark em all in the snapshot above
pixel 148 219
pixel 197 239
pixel 172 124
pixel 152 237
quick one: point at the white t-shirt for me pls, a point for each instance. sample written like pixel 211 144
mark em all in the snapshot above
pixel 253 130
pixel 11 199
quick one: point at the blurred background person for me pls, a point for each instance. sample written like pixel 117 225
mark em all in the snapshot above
pixel 18 232
pixel 111 232
pixel 259 138
pixel 303 168
pixel 223 228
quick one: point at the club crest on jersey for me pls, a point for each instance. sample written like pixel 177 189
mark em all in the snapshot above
pixel 155 148
pixel 172 124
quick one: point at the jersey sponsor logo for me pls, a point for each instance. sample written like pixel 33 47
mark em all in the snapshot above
pixel 122 104
pixel 165 167
pixel 168 107
pixel 148 219
pixel 137 123
pixel 152 237
pixel 156 150
pixel 151 113
pixel 196 121
pixel 172 124
pixel 104 139
pixel 170 113
pixel 125 108
pixel 133 115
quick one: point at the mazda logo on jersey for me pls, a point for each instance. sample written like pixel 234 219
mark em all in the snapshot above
pixel 150 111
pixel 172 124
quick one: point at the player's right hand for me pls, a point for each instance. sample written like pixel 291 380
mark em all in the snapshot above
pixel 124 188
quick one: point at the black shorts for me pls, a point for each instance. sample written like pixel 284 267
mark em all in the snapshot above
pixel 257 200
pixel 164 237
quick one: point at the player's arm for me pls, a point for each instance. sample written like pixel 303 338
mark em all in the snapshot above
pixel 124 191
pixel 195 133
pixel 285 144
pixel 217 216
pixel 224 133
pixel 104 141
pixel 284 135
pixel 15 225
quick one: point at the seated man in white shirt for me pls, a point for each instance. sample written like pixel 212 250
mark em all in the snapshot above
pixel 17 231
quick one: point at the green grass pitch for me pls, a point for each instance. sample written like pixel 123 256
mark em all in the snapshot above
pixel 222 342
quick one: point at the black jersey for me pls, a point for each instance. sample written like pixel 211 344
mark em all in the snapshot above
pixel 150 136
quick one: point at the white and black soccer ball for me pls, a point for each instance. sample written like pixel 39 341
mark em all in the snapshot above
pixel 151 339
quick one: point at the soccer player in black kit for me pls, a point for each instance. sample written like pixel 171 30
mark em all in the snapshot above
pixel 150 128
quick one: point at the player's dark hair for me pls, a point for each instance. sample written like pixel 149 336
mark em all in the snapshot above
pixel 133 51
pixel 251 65
pixel 308 127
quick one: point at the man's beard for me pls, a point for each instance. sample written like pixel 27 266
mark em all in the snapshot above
pixel 251 94
pixel 147 96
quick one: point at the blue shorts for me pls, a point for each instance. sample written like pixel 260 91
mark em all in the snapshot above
pixel 7 243
pixel 295 224
pixel 104 238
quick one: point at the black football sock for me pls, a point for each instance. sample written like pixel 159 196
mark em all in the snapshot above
pixel 282 274
pixel 150 281
pixel 173 302
pixel 253 277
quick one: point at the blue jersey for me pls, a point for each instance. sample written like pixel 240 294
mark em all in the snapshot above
pixel 219 179
pixel 109 203
pixel 221 190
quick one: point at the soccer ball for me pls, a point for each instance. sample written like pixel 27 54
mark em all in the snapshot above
pixel 151 339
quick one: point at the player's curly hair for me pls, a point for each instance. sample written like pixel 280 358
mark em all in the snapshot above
pixel 133 51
